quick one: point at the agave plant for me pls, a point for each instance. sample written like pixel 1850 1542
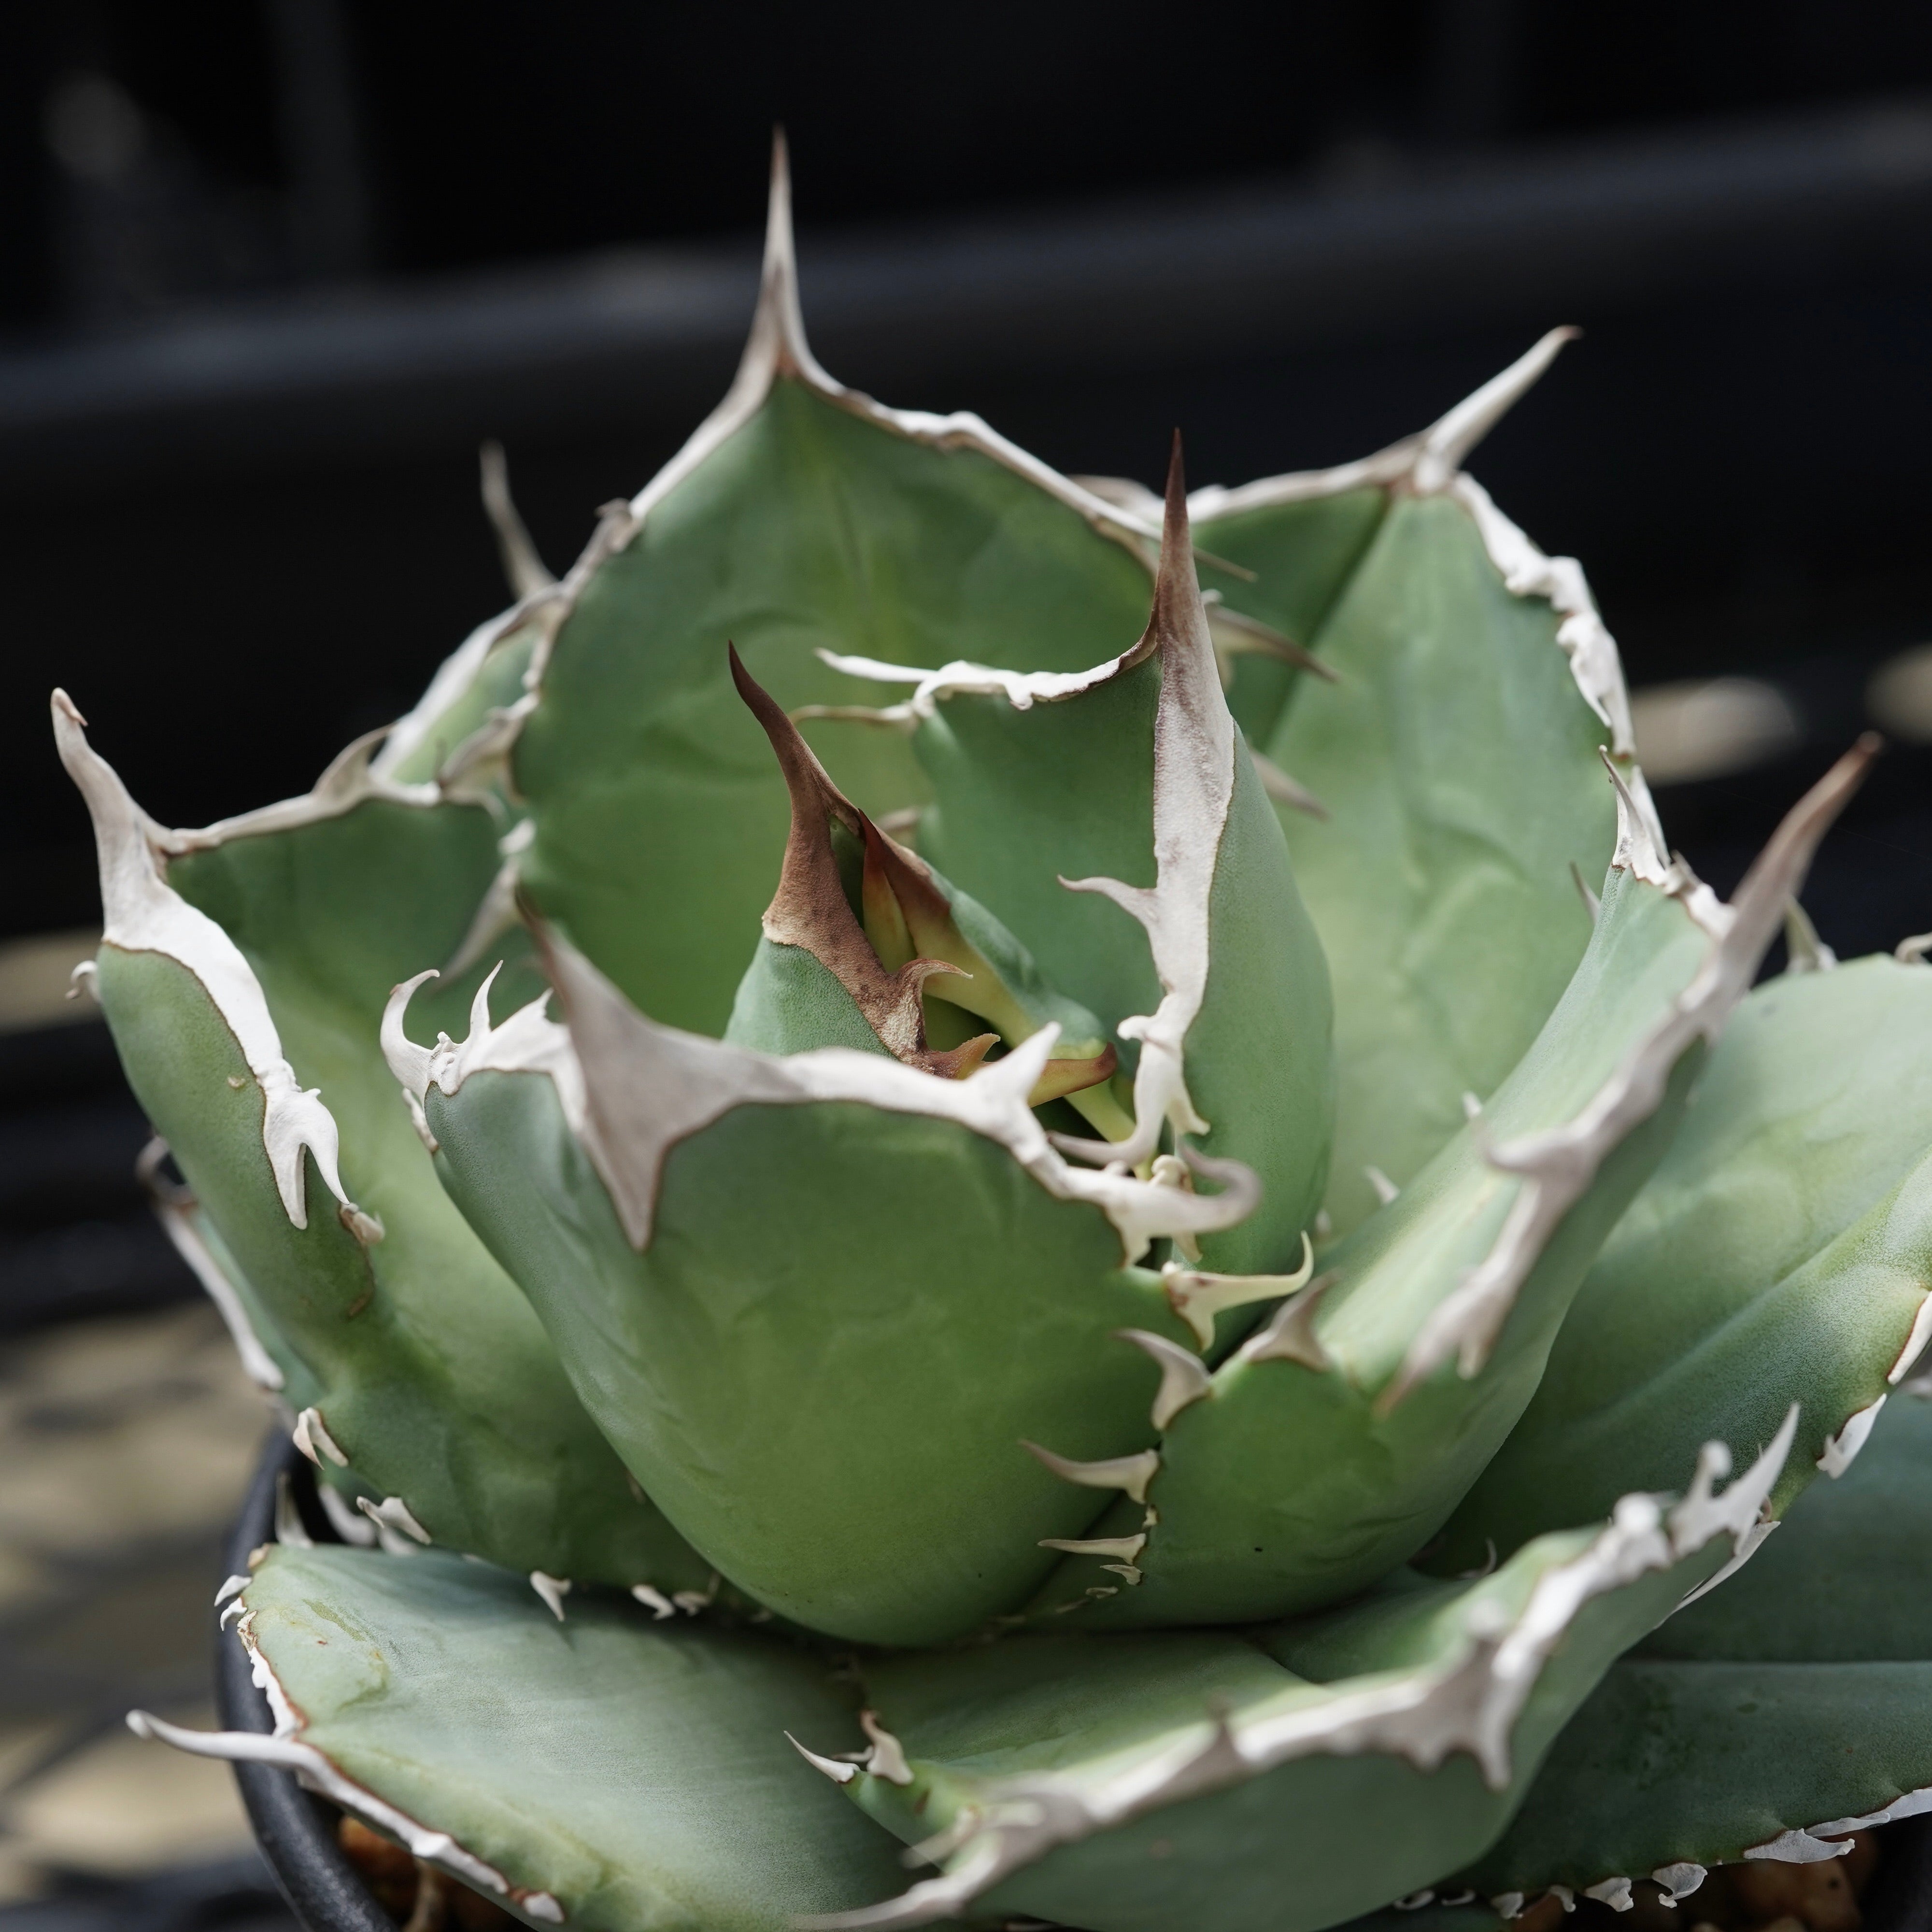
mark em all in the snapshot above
pixel 1092 1215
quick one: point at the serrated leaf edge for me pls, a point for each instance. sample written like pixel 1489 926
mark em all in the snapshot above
pixel 1469 1703
pixel 286 1750
pixel 632 1089
pixel 143 913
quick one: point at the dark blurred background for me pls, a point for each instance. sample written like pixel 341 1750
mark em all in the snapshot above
pixel 270 270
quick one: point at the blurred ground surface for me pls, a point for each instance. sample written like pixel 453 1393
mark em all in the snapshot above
pixel 126 1442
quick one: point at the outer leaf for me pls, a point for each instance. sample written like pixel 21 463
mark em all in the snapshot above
pixel 1771 1718
pixel 1334 1444
pixel 1780 1253
pixel 1285 1780
pixel 610 1773
pixel 801 514
pixel 429 1383
pixel 1848 1577
pixel 816 1302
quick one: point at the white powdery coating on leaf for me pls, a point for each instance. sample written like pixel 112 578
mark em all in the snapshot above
pixel 1558 1165
pixel 631 1089
pixel 1469 1703
pixel 285 1750
pixel 143 913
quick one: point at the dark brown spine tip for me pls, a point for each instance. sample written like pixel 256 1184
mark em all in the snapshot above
pixel 1177 485
pixel 760 702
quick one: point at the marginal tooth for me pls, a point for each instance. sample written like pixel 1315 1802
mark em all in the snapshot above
pixel 1130 1473
pixel 1591 904
pixel 1131 1571
pixel 1472 1108
pixel 660 1606
pixel 553 1590
pixel 392 1514
pixel 1805 951
pixel 314 1440
pixel 1120 1549
pixel 839 1774
pixel 1289 1335
pixel 1285 790
pixel 289 1528
pixel 1183 1377
pixel 1386 1190
pixel 1198 1297
pixel 885 1760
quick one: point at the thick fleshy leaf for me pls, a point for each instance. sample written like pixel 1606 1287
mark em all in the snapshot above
pixel 610 1771
pixel 1770 1718
pixel 1456 753
pixel 820 1303
pixel 1780 1253
pixel 256 974
pixel 801 516
pixel 1847 1579
pixel 1130 785
pixel 1285 1778
pixel 1336 1440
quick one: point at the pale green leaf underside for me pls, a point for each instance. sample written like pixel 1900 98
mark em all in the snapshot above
pixel 635 1770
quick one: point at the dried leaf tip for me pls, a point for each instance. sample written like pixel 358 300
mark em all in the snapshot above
pixel 810 910
pixel 527 572
pixel 1447 444
pixel 777 345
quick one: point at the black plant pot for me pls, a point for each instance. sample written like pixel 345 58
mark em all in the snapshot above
pixel 297 1831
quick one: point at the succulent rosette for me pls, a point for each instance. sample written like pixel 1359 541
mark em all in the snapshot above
pixel 1150 1218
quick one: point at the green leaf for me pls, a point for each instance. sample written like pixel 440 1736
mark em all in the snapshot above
pixel 841 1306
pixel 801 516
pixel 607 1772
pixel 1847 1578
pixel 1780 1253
pixel 1788 1707
pixel 1336 1442
pixel 1456 753
pixel 1699 1764
pixel 259 969
pixel 1286 1778
pixel 1138 793
pixel 1302 551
